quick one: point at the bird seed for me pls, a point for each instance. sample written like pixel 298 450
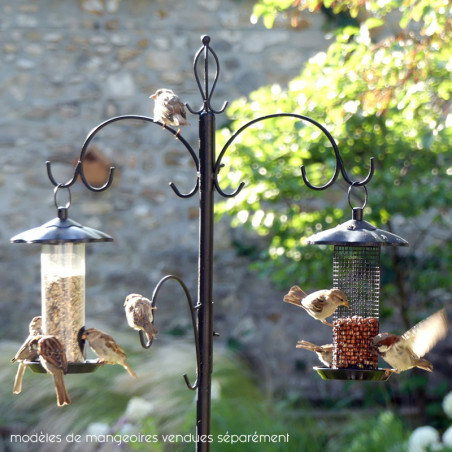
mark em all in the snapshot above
pixel 64 312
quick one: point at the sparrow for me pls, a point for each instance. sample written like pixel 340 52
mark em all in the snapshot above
pixel 320 304
pixel 169 109
pixel 139 314
pixel 25 352
pixel 406 351
pixel 106 348
pixel 324 352
pixel 53 358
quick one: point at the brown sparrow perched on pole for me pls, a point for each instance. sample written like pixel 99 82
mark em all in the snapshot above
pixel 169 109
pixel 53 359
pixel 324 352
pixel 320 304
pixel 406 351
pixel 106 348
pixel 26 352
pixel 139 314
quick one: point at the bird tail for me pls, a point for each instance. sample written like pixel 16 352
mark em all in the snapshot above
pixel 150 330
pixel 181 121
pixel 60 388
pixel 129 369
pixel 422 363
pixel 295 295
pixel 18 380
pixel 309 346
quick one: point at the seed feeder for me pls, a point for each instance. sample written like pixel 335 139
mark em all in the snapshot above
pixel 63 282
pixel 356 271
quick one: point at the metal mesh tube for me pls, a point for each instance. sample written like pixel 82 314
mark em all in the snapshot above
pixel 356 271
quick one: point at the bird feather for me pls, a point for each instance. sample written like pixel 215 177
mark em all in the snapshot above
pixel 424 335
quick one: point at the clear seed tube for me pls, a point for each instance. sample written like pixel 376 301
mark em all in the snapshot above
pixel 63 294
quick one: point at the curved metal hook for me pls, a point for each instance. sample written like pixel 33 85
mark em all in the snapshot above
pixel 182 195
pixel 68 183
pixel 228 195
pixel 339 163
pixel 146 344
pixel 262 118
pixel 365 181
pixel 206 95
pixel 79 167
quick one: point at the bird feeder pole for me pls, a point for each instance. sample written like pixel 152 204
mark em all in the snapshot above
pixel 208 166
pixel 205 274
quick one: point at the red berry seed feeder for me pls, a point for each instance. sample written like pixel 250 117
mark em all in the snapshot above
pixel 62 243
pixel 356 271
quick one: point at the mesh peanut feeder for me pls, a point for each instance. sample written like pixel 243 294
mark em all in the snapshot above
pixel 356 271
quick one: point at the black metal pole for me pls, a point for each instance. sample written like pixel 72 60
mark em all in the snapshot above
pixel 205 276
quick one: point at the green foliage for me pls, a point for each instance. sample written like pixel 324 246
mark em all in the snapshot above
pixel 389 100
pixel 267 9
pixel 372 434
pixel 415 385
pixel 434 14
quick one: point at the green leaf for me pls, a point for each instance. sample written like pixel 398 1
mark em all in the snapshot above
pixel 374 22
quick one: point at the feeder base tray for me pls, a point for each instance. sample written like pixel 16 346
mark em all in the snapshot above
pixel 353 374
pixel 73 368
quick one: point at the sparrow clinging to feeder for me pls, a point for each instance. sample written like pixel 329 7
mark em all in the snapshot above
pixel 53 359
pixel 26 352
pixel 320 304
pixel 169 109
pixel 324 352
pixel 139 313
pixel 106 348
pixel 406 351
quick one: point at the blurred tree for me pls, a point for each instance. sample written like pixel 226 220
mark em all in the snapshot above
pixel 382 89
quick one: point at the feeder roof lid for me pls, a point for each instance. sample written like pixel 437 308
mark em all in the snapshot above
pixel 61 230
pixel 356 232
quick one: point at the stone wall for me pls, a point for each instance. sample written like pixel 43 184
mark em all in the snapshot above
pixel 66 66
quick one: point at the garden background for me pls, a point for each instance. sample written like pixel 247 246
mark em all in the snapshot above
pixel 376 74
